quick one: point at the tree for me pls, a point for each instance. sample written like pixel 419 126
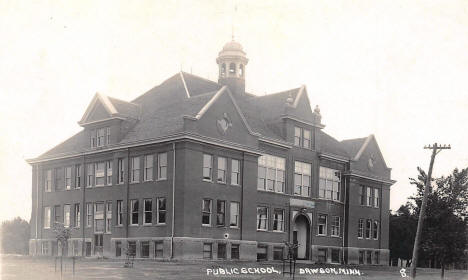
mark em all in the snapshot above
pixel 15 236
pixel 444 234
pixel 402 233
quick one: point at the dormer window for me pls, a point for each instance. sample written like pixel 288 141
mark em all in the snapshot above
pixel 100 137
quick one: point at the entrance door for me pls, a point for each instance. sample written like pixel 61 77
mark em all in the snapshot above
pixel 301 236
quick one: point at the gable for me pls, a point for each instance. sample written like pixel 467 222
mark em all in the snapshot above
pixel 222 120
pixel 97 113
pixel 370 160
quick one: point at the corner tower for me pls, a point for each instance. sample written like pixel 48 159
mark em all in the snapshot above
pixel 231 62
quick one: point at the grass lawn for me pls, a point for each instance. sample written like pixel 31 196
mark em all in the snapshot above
pixel 38 268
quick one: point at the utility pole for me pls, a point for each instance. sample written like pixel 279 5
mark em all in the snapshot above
pixel 435 150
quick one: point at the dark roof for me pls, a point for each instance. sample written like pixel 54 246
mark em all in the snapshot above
pixel 161 109
pixel 352 146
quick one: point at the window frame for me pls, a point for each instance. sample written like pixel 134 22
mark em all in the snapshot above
pixel 90 179
pixel 328 179
pixel 89 215
pixel 206 213
pixel 133 203
pixel 77 176
pixel 235 174
pixel 68 177
pixel 48 180
pixel 66 215
pixel 376 200
pixel 270 164
pixel 210 251
pixel 159 210
pixel 47 217
pixel 148 167
pixel 98 173
pixel 278 221
pixel 324 226
pixel 222 172
pixel 98 216
pixel 77 215
pixel 135 169
pixel 121 171
pixel 368 229
pixel 336 226
pixel 220 212
pixel 299 171
pixel 236 217
pixel 162 166
pixel 147 212
pixel 375 229
pixel 260 219
pixel 360 229
pixel 108 217
pixel 208 168
pixel 119 213
pixel 109 172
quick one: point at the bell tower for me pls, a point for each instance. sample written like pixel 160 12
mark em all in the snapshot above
pixel 231 62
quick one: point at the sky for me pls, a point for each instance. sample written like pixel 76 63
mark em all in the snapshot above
pixel 395 69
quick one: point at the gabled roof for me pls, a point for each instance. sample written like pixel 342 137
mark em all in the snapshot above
pixel 353 146
pixel 115 108
pixel 160 112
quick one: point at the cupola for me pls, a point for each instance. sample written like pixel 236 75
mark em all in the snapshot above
pixel 231 62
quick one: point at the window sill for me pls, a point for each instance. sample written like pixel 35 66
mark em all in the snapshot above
pixel 161 179
pixel 323 235
pixel 262 230
pixel 133 225
pixel 278 231
pixel 206 225
pixel 335 236
pixel 360 238
pixel 161 225
pixel 233 227
pixel 206 180
pixel 146 181
pixel 221 183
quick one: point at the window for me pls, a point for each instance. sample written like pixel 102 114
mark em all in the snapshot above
pixel 147 211
pixel 235 172
pixel 306 140
pixel 234 221
pixel 93 139
pixel 89 214
pixel 134 212
pixel 109 217
pixel 330 183
pixel 148 171
pixel 376 198
pixel 76 248
pixel 221 170
pixel 120 166
pixel 278 220
pixel 101 137
pixel 297 136
pixel 368 228
pixel 232 68
pixel 277 253
pixel 109 172
pixel 99 217
pixel 90 175
pixel 158 249
pixel 45 247
pixel 223 70
pixel 376 257
pixel 118 248
pixel 131 248
pixel 362 195
pixel 206 212
pixel 335 255
pixel 207 249
pixel 262 252
pixel 77 212
pixel 271 172
pixel 68 177
pixel 100 177
pixel 108 135
pixel 375 230
pixel 59 184
pixel 361 228
pixel 369 196
pixel 77 176
pixel 162 166
pixel 234 251
pixel 361 257
pixel 135 170
pixel 220 212
pixel 322 255
pixel 302 137
pixel 262 218
pixel 241 70
pixel 66 215
pixel 48 181
pixel 222 251
pixel 302 178
pixel 335 226
pixel 322 224
pixel 369 257
pixel 207 167
pixel 57 215
pixel 144 249
pixel 161 215
pixel 119 213
pixel 47 217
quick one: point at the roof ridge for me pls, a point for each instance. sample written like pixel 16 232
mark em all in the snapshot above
pixel 199 77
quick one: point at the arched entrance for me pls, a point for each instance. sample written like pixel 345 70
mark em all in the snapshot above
pixel 301 236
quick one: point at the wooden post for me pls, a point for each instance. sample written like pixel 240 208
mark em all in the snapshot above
pixel 435 149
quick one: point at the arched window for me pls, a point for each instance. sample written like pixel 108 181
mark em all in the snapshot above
pixel 232 68
pixel 223 70
pixel 241 70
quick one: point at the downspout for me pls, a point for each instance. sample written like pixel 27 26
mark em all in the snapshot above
pixel 127 195
pixel 84 210
pixel 241 204
pixel 344 221
pixel 37 205
pixel 173 197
